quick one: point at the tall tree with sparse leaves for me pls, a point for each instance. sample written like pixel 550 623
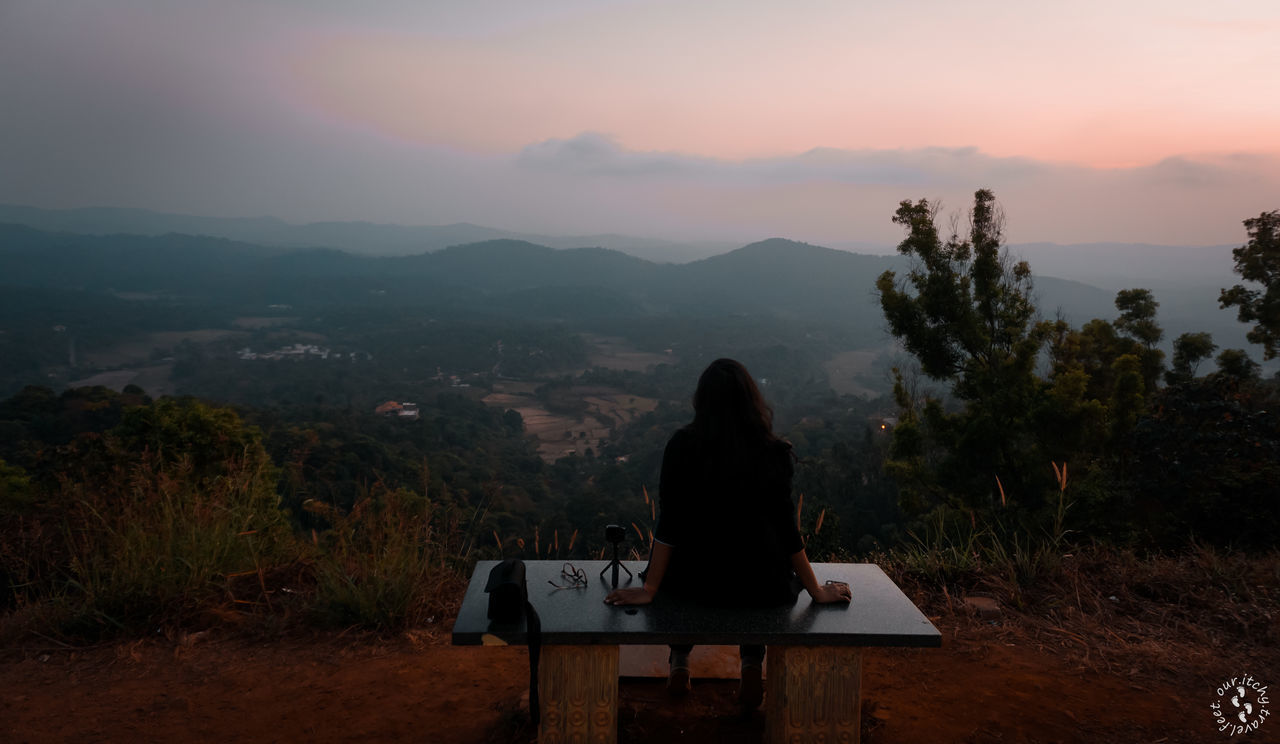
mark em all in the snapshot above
pixel 964 310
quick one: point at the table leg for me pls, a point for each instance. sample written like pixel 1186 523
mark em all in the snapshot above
pixel 578 694
pixel 813 694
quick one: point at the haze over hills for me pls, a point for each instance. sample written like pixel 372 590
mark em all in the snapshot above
pixel 771 275
pixel 269 261
pixel 1109 265
pixel 794 277
pixel 355 237
pixel 776 276
pixel 1122 265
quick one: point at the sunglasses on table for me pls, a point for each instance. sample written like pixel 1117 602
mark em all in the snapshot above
pixel 572 576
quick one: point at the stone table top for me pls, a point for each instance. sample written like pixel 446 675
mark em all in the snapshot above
pixel 879 615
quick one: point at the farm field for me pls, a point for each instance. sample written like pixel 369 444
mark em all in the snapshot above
pixel 153 378
pixel 616 353
pixel 561 434
pixel 138 350
pixel 854 373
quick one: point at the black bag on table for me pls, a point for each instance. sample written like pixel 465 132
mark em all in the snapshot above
pixel 508 602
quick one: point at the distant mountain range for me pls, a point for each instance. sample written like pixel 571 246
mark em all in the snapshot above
pixel 366 238
pixel 1110 265
pixel 267 261
pixel 774 276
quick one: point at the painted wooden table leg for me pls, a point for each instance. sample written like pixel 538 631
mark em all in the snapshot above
pixel 578 694
pixel 813 694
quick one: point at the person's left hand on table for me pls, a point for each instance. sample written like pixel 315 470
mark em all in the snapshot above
pixel 636 596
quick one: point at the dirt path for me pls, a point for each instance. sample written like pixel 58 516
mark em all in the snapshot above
pixel 979 687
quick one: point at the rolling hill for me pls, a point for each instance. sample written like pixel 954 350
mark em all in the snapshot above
pixel 774 277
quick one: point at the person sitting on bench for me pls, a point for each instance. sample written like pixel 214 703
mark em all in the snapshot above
pixel 727 532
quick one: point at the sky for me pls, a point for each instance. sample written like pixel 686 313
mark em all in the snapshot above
pixel 1155 122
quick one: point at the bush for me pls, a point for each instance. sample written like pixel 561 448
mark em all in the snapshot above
pixel 171 517
pixel 1205 462
pixel 151 546
pixel 146 524
pixel 388 563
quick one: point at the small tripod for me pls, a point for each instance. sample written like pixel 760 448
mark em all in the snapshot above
pixel 614 534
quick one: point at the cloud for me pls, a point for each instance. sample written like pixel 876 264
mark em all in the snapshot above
pixel 595 154
pixel 930 166
pixel 592 153
pixel 832 194
pixel 1187 173
pixel 605 117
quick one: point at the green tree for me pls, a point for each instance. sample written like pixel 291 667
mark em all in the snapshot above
pixel 1126 398
pixel 964 310
pixel 1235 364
pixel 15 488
pixel 1259 261
pixel 203 437
pixel 1189 350
pixel 1093 351
pixel 1103 373
pixel 1206 462
pixel 1138 315
pixel 1138 321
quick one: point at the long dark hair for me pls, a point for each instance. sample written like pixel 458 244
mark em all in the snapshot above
pixel 730 416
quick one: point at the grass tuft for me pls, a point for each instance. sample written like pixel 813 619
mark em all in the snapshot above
pixel 388 564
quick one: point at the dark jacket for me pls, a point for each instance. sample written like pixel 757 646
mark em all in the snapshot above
pixel 730 522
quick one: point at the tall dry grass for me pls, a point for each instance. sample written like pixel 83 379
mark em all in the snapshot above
pixel 394 561
pixel 1017 550
pixel 1111 609
pixel 145 544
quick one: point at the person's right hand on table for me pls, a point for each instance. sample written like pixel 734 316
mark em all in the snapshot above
pixel 828 593
pixel 832 593
pixel 636 596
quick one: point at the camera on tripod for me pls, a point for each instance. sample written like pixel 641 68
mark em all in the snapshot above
pixel 615 533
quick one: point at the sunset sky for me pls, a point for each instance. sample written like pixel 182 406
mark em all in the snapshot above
pixel 1149 122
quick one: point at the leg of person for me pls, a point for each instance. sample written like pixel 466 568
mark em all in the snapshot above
pixel 751 689
pixel 678 677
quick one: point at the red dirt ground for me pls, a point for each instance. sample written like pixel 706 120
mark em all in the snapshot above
pixel 986 684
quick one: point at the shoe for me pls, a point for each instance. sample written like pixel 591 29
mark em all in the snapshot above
pixel 678 682
pixel 751 691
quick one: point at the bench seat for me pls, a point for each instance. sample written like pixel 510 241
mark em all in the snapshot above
pixel 814 661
